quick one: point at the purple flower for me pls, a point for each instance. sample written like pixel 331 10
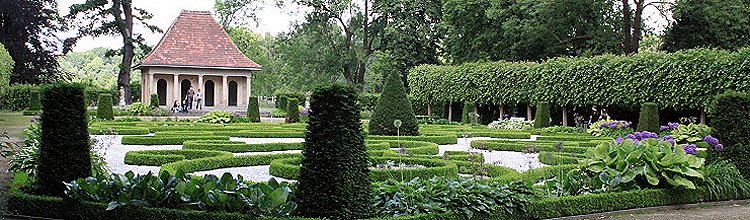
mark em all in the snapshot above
pixel 673 125
pixel 304 112
pixel 711 140
pixel 690 149
pixel 668 138
pixel 33 120
pixel 663 127
pixel 619 140
pixel 719 147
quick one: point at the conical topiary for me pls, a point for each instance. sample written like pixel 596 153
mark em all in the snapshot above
pixel 393 105
pixel 334 179
pixel 104 107
pixel 253 109
pixel 64 153
pixel 542 117
pixel 649 117
pixel 292 111
pixel 154 101
pixel 281 102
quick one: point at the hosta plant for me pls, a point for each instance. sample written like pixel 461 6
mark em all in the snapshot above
pixel 209 193
pixel 138 108
pixel 511 125
pixel 650 163
pixel 691 133
pixel 216 117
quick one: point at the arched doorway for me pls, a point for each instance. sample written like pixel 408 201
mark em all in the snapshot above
pixel 209 93
pixel 232 93
pixel 184 87
pixel 161 90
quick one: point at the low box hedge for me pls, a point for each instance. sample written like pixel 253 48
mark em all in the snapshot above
pixel 212 163
pixel 557 158
pixel 289 168
pixel 437 139
pixel 118 131
pixel 166 140
pixel 412 147
pixel 159 157
pixel 239 146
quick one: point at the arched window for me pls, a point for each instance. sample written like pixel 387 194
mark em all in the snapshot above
pixel 161 90
pixel 232 93
pixel 209 93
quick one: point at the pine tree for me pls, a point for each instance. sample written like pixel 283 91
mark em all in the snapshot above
pixel 393 105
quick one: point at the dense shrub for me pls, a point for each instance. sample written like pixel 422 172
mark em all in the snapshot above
pixel 35 102
pixel 469 107
pixel 393 105
pixel 511 125
pixel 6 66
pixel 649 117
pixel 253 109
pixel 292 111
pixel 64 151
pixel 334 180
pixel 542 119
pixel 154 100
pixel 104 108
pixel 281 102
pixel 730 119
pixel 610 128
pixel 675 80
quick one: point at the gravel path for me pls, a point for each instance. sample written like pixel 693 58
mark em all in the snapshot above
pixel 114 153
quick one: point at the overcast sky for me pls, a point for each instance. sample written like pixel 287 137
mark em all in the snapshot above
pixel 271 19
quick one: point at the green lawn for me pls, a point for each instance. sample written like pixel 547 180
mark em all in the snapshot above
pixel 14 124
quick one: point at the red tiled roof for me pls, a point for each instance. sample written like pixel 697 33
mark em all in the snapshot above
pixel 195 39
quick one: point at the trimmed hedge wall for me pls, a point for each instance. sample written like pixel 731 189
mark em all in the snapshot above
pixel 64 150
pixel 35 100
pixel 682 80
pixel 730 119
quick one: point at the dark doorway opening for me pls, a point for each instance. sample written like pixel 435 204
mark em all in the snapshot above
pixel 209 96
pixel 232 93
pixel 184 87
pixel 161 90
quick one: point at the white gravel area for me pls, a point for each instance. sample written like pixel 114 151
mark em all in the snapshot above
pixel 114 153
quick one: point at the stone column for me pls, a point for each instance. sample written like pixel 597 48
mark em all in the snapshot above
pixel 200 84
pixel 150 88
pixel 248 89
pixel 224 101
pixel 175 89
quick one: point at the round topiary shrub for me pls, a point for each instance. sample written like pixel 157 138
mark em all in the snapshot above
pixel 104 107
pixel 292 111
pixel 542 118
pixel 334 179
pixel 465 115
pixel 649 117
pixel 154 101
pixel 64 151
pixel 253 109
pixel 35 102
pixel 393 105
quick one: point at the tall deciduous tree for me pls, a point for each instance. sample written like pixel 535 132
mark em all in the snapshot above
pixel 27 30
pixel 632 21
pixel 97 18
pixel 723 24
pixel 237 13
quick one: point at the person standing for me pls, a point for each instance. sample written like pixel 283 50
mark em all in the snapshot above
pixel 199 100
pixel 190 94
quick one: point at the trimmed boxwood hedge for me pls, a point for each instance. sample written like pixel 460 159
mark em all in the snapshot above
pixel 289 168
pixel 649 117
pixel 166 140
pixel 239 146
pixel 56 207
pixel 64 150
pixel 212 163
pixel 437 139
pixel 159 157
pixel 557 158
pixel 412 147
pixel 542 118
pixel 521 146
pixel 97 130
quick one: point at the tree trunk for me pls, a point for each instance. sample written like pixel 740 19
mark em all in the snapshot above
pixel 637 24
pixel 627 37
pixel 123 13
pixel 502 112
pixel 450 111
pixel 565 116
pixel 429 110
pixel 703 118
pixel 528 112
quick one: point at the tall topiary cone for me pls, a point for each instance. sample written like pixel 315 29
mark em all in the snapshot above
pixel 334 180
pixel 465 115
pixel 104 107
pixel 253 109
pixel 649 117
pixel 281 102
pixel 542 117
pixel 34 100
pixel 292 111
pixel 393 105
pixel 64 149
pixel 154 100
